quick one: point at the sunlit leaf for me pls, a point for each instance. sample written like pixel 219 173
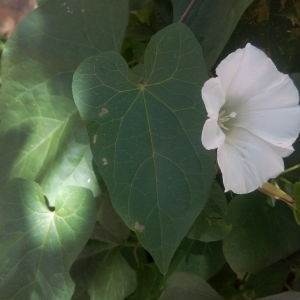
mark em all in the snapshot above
pixel 42 138
pixel 38 244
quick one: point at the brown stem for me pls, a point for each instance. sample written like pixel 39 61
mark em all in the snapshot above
pixel 187 11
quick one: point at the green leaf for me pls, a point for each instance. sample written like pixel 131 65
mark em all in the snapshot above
pixel 137 4
pixel 106 276
pixel 147 146
pixel 290 295
pixel 39 244
pixel 111 227
pixel 183 286
pixel 42 137
pixel 72 164
pixel 203 259
pixel 226 283
pixel 211 225
pixel 150 283
pixel 113 280
pixel 261 234
pixel 268 281
pixel 212 22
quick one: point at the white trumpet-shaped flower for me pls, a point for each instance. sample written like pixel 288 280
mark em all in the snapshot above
pixel 253 119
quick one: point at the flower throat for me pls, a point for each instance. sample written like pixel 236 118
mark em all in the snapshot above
pixel 224 118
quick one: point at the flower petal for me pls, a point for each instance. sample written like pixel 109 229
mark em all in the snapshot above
pixel 213 96
pixel 247 162
pixel 283 94
pixel 212 135
pixel 283 152
pixel 280 127
pixel 228 67
pixel 246 73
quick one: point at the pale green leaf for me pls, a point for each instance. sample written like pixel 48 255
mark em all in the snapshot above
pixel 38 244
pixel 42 138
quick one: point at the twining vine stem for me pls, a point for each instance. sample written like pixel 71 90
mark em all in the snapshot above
pixel 293 168
pixel 187 11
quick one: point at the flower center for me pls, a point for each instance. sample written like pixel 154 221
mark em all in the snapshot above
pixel 224 118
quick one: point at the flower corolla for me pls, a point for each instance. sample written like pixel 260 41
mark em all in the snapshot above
pixel 253 119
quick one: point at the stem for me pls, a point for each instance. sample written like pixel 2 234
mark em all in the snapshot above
pixel 187 11
pixel 293 168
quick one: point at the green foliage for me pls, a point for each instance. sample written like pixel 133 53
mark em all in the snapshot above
pixel 266 233
pixel 181 286
pixel 41 241
pixel 105 274
pixel 211 224
pixel 203 259
pixel 212 22
pixel 105 189
pixel 139 120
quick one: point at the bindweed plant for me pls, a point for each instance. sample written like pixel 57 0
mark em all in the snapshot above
pixel 110 185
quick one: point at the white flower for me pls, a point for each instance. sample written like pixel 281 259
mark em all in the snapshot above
pixel 253 119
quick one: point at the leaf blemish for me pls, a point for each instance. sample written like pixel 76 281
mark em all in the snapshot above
pixel 104 161
pixel 50 207
pixel 69 10
pixel 94 139
pixel 138 227
pixel 104 111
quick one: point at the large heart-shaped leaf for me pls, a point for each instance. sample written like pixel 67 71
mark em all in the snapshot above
pixel 39 244
pixel 147 143
pixel 211 21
